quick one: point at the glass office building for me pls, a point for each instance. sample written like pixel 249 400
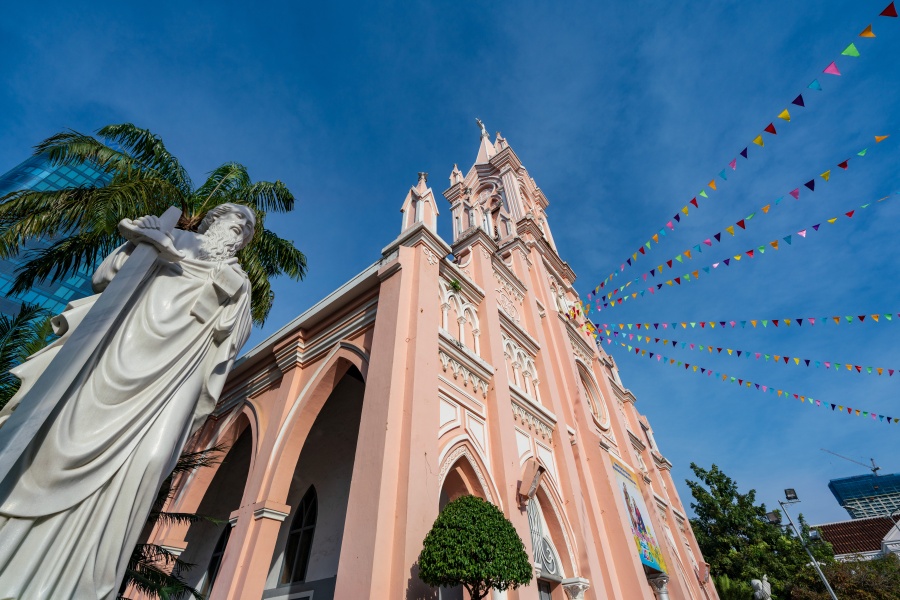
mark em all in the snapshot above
pixel 37 173
pixel 867 495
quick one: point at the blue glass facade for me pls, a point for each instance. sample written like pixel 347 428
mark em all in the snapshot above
pixel 867 495
pixel 38 174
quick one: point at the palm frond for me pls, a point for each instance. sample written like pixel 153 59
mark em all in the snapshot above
pixel 72 148
pixel 221 185
pixel 173 518
pixel 20 336
pixel 267 196
pixel 278 256
pixel 261 294
pixel 148 149
pixel 65 256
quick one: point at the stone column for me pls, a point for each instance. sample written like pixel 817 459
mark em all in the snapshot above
pixel 659 583
pixel 575 587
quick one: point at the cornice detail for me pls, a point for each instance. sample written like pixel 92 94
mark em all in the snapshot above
pixel 478 383
pixel 531 421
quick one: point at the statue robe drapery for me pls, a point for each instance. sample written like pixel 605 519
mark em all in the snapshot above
pixel 89 478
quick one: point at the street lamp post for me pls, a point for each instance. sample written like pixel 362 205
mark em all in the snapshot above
pixel 791 498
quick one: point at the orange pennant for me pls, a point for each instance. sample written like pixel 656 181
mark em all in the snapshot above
pixel 765 208
pixel 881 138
pixel 867 32
pixel 774 244
pixel 712 184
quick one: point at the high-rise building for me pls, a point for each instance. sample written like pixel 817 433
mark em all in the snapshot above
pixel 37 173
pixel 441 370
pixel 866 496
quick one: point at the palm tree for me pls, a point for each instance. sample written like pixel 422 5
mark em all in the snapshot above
pixel 20 337
pixel 146 179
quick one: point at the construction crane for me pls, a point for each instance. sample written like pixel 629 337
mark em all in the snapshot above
pixel 874 468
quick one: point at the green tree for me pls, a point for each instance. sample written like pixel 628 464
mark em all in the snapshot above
pixel 472 544
pixel 737 539
pixel 20 337
pixel 729 589
pixel 876 579
pixel 146 179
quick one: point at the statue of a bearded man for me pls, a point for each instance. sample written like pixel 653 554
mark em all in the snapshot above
pixel 73 507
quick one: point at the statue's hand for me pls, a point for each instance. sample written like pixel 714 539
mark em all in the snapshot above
pixel 147 230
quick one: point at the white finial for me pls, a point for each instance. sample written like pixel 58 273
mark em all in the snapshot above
pixel 484 132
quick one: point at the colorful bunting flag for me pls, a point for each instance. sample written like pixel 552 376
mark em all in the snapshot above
pixel 784 115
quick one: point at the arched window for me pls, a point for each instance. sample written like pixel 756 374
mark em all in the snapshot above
pixel 215 561
pixel 299 544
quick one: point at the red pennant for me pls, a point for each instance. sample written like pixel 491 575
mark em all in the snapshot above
pixel 850 214
pixel 669 262
pixel 741 224
pixel 770 128
pixel 775 321
pixel 694 200
pixel 843 165
pixel 890 11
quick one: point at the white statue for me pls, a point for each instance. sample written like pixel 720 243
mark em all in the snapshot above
pixel 762 590
pixel 74 503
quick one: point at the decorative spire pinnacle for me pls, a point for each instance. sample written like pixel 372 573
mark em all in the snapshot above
pixel 486 149
pixel 456 175
pixel 422 185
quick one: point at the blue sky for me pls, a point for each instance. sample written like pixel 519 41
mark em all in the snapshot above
pixel 620 111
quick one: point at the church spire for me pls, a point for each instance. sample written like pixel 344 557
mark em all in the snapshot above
pixel 486 150
pixel 420 206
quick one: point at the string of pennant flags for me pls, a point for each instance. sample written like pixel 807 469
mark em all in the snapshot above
pixel 754 323
pixel 851 51
pixel 751 253
pixel 749 355
pixel 739 225
pixel 765 389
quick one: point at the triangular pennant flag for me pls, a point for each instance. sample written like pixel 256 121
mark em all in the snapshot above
pixel 733 164
pixel 850 50
pixel 815 85
pixel 718 237
pixel 730 229
pixel 867 32
pixel 843 165
pixel 774 244
pixel 703 193
pixel 796 194
pixel 889 11
pixel 694 202
pixel 770 128
pixel 758 141
pixel 811 184
pixel 798 100
pixel 784 115
pixel 712 184
pixel 766 208
pixel 862 152
pixel 741 224
pixel 881 138
pixel 832 69
pixel 787 239
pixel 826 175
pixel 744 153
pixel 723 174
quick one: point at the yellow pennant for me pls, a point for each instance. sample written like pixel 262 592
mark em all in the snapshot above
pixel 730 229
pixel 738 257
pixel 785 115
pixel 787 322
pixel 796 361
pixel 685 210
pixel 758 141
pixel 826 175
pixel 832 220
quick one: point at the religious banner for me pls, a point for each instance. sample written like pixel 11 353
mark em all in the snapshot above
pixel 645 542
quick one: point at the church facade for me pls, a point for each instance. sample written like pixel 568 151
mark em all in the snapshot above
pixel 440 370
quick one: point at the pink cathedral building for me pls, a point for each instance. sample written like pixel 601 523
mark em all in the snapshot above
pixel 440 370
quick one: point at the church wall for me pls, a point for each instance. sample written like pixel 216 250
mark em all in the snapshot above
pixel 476 369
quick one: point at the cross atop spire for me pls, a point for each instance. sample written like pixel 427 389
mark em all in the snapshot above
pixel 486 150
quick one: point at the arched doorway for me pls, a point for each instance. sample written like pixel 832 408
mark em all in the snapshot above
pixel 308 546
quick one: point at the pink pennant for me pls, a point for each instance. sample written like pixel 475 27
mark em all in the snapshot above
pixel 796 194
pixel 802 233
pixel 832 69
pixel 733 164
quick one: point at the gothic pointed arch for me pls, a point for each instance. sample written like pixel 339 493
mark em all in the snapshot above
pixel 300 538
pixel 304 410
pixel 463 472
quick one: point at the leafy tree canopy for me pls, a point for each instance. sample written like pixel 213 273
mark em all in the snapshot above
pixel 146 179
pixel 737 539
pixel 474 545
pixel 877 579
pixel 20 337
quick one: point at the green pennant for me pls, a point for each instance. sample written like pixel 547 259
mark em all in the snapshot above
pixel 850 51
pixel 703 193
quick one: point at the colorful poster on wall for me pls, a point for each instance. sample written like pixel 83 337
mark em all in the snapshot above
pixel 644 539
